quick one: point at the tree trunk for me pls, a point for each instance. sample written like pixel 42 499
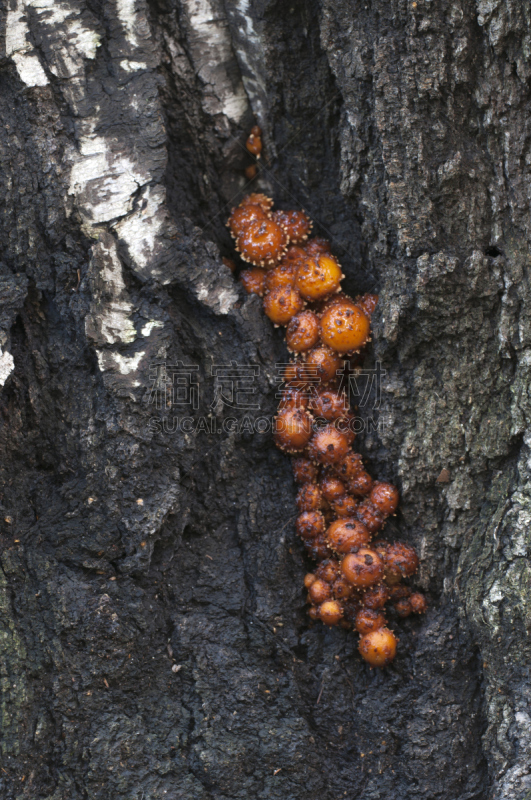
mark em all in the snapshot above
pixel 154 639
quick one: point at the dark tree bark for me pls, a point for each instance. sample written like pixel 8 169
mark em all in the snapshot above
pixel 153 638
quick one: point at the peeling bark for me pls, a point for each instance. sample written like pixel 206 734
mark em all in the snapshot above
pixel 153 635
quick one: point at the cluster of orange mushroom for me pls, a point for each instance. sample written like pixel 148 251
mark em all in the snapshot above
pixel 341 508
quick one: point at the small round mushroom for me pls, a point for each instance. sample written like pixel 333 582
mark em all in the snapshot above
pixel 293 430
pixel 346 534
pixel 364 568
pixel 282 304
pixel 378 647
pixel 327 446
pixel 344 328
pixel 330 612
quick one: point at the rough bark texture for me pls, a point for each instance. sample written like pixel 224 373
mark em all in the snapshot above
pixel 403 128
